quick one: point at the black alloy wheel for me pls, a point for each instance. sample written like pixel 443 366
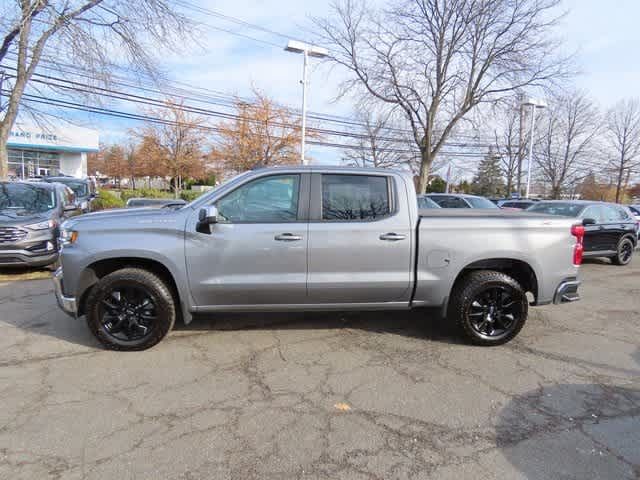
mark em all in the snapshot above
pixel 625 252
pixel 494 312
pixel 489 307
pixel 128 313
pixel 130 309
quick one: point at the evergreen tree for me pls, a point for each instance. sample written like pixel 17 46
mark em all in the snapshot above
pixel 488 180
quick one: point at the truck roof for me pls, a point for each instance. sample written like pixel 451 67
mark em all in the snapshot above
pixel 332 168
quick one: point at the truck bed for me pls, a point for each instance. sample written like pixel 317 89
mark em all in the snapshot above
pixel 479 212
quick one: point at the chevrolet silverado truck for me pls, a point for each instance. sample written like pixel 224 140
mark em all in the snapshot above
pixel 313 238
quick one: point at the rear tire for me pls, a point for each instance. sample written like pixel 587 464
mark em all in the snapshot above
pixel 489 307
pixel 624 253
pixel 130 309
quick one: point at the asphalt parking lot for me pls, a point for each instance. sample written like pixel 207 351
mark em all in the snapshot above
pixel 367 396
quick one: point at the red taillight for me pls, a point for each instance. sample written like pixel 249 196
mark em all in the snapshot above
pixel 578 249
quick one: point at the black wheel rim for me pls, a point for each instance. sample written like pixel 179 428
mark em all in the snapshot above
pixel 626 251
pixel 128 313
pixel 495 312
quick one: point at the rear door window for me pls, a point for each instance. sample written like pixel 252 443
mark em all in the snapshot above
pixel 355 197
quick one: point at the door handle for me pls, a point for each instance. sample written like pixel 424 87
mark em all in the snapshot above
pixel 288 237
pixel 392 237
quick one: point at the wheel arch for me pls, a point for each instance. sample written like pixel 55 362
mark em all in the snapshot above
pixel 100 268
pixel 517 269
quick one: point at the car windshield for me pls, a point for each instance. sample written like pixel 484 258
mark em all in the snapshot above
pixel 25 197
pixel 557 208
pixel 480 202
pixel 426 202
pixel 80 189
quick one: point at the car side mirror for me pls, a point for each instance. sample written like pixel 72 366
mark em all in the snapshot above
pixel 588 221
pixel 207 216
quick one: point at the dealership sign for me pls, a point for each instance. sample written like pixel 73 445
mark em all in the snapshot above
pixel 65 138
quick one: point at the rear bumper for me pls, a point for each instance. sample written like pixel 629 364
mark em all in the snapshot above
pixel 567 292
pixel 67 304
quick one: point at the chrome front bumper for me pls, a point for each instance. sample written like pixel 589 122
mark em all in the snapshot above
pixel 67 304
pixel 567 292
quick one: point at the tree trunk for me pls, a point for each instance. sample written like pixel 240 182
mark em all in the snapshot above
pixel 619 182
pixel 4 152
pixel 425 167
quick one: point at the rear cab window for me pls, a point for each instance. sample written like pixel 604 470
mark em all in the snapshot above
pixel 355 197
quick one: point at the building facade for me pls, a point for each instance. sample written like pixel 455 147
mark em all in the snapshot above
pixel 38 151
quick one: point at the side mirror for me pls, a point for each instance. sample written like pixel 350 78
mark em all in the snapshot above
pixel 208 215
pixel 588 221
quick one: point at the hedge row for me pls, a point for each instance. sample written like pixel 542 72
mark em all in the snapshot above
pixel 113 199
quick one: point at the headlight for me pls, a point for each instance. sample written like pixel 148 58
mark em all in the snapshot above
pixel 68 237
pixel 42 225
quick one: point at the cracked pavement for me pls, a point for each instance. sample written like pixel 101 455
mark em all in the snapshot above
pixel 261 396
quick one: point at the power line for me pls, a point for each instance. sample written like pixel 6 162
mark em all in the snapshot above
pixel 56 82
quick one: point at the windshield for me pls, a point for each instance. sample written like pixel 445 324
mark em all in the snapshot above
pixel 25 197
pixel 426 202
pixel 557 208
pixel 480 202
pixel 80 188
pixel 224 184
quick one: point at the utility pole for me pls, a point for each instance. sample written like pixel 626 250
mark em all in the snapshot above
pixel 520 152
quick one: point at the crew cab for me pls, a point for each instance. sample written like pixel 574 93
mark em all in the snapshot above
pixel 313 238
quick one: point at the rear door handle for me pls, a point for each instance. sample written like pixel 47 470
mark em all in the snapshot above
pixel 288 237
pixel 392 237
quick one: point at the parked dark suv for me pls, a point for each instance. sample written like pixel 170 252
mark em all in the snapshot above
pixel 30 215
pixel 83 189
pixel 610 229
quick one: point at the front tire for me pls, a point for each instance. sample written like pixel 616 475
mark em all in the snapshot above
pixel 624 252
pixel 489 307
pixel 130 309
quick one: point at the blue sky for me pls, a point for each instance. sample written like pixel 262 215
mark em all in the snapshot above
pixel 604 34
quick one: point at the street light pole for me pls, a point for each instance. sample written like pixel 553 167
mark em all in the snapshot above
pixel 307 51
pixel 529 161
pixel 304 107
pixel 534 104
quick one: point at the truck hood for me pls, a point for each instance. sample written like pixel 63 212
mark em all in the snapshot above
pixel 121 217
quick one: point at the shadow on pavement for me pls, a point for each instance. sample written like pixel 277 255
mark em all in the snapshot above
pixel 421 323
pixel 573 432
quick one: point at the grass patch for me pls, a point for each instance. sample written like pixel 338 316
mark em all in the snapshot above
pixel 21 274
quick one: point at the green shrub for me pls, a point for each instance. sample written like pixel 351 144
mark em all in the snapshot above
pixel 107 200
pixel 144 193
pixel 190 195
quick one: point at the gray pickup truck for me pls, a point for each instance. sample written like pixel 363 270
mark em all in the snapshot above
pixel 308 239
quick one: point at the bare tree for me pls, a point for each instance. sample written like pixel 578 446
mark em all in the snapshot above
pixel 438 59
pixel 88 34
pixel 378 146
pixel 567 134
pixel 623 135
